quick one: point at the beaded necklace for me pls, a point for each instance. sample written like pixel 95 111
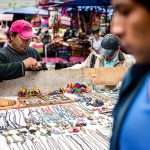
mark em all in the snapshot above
pixel 65 141
pixel 62 113
pixel 85 108
pixel 97 137
pixel 72 141
pixel 84 142
pixel 88 140
pixel 54 142
pixel 76 142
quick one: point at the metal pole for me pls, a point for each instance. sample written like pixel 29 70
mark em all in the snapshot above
pixel 106 17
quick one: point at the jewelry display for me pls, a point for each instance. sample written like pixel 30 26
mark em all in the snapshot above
pixel 44 100
pixel 58 121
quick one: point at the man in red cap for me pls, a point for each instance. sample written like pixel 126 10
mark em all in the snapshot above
pixel 17 56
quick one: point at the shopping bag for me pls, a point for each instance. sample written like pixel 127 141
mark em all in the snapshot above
pixel 65 20
pixel 53 20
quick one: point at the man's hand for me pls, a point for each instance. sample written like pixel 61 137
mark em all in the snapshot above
pixel 30 62
pixel 38 66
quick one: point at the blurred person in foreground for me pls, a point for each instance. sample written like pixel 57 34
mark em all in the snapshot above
pixel 17 56
pixel 110 55
pixel 131 22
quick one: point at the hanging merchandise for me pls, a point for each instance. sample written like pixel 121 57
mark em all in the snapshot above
pixel 65 20
pixel 44 22
pixel 103 26
pixel 53 20
pixel 36 21
pixel 84 23
pixel 95 21
pixel 75 19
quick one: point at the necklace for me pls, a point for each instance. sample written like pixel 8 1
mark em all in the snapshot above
pixel 8 143
pixel 73 142
pixel 85 108
pixel 77 142
pixel 88 140
pixel 63 112
pixel 10 122
pixel 98 138
pixel 49 144
pixel 93 139
pixel 86 144
pixel 42 143
pixel 54 142
pixel 65 141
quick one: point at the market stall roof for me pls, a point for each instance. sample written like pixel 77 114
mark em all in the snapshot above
pixel 51 3
pixel 85 3
pixel 27 10
pixel 89 8
pixel 6 17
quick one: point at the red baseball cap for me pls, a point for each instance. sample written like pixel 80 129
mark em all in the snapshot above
pixel 23 28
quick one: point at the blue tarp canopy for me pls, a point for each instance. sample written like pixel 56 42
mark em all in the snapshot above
pixel 27 10
pixel 89 8
pixel 85 3
pixel 50 3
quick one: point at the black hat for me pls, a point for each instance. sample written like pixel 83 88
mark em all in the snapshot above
pixel 110 44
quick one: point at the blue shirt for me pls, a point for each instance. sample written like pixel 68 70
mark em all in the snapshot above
pixel 135 132
pixel 111 63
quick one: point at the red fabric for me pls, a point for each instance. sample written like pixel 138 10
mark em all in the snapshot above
pixel 54 59
pixel 76 59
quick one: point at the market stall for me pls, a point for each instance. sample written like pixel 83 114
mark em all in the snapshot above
pixel 4 19
pixel 71 24
pixel 99 17
pixel 65 109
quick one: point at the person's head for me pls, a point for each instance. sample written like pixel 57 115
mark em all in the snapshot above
pixel 96 34
pixel 46 32
pixel 131 22
pixel 20 35
pixel 68 30
pixel 110 46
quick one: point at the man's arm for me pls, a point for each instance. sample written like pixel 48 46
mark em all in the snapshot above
pixel 10 70
pixel 16 69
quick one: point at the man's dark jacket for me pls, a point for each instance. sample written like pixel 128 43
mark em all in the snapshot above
pixel 11 62
pixel 131 85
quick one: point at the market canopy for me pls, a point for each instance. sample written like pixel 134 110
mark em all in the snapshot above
pixel 6 17
pixel 85 3
pixel 50 3
pixel 27 10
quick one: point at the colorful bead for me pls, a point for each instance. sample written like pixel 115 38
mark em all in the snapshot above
pixel 77 85
pixel 88 89
pixel 85 84
pixel 74 90
pixel 75 130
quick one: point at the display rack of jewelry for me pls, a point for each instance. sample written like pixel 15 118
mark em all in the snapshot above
pixel 71 126
pixel 44 100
